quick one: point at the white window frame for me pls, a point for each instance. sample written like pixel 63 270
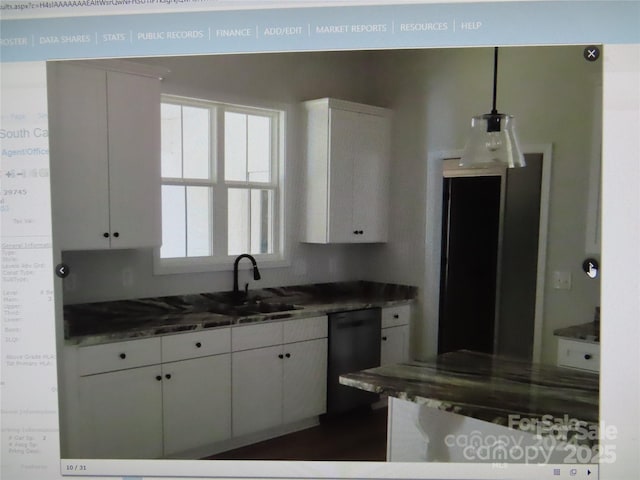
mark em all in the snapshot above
pixel 220 260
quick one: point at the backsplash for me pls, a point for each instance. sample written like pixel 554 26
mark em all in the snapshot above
pixel 99 276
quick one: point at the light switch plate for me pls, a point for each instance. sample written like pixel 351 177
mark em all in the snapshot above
pixel 562 280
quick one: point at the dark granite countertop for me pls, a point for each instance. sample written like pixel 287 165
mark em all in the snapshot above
pixel 588 332
pixel 103 322
pixel 487 387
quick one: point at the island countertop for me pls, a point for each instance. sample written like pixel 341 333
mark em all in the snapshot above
pixel 487 387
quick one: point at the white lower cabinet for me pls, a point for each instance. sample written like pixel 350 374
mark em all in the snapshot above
pixel 304 380
pixel 578 354
pixel 394 345
pixel 168 396
pixel 196 403
pixel 257 390
pixel 121 414
pixel 282 382
pixel 128 410
pixel 394 335
pixel 156 411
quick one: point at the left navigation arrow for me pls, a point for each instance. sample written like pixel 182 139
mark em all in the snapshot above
pixel 62 270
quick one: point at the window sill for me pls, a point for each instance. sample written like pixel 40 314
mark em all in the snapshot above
pixel 172 266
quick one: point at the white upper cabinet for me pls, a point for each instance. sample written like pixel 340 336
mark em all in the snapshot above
pixel 347 178
pixel 105 157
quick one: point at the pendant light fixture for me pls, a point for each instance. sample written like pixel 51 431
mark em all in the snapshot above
pixel 493 139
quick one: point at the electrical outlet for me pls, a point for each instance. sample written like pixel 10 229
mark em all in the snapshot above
pixel 562 280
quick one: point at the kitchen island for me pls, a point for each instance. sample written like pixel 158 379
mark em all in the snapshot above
pixel 472 407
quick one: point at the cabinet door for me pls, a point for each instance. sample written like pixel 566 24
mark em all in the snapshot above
pixel 394 345
pixel 121 414
pixel 134 160
pixel 79 156
pixel 305 380
pixel 343 133
pixel 371 142
pixel 256 389
pixel 196 402
pixel 359 176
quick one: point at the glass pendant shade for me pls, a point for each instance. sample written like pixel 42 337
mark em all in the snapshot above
pixel 492 142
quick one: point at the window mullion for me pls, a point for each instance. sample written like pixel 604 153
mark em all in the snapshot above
pixel 246 147
pixel 186 203
pixel 186 222
pixel 192 182
pixel 247 246
pixel 220 195
pixel 249 220
pixel 273 152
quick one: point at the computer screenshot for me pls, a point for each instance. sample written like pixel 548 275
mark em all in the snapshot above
pixel 320 239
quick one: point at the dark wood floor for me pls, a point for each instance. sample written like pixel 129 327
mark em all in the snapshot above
pixel 359 436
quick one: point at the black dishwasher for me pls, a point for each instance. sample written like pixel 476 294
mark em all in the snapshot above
pixel 354 344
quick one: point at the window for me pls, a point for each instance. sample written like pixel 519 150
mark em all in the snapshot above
pixel 220 184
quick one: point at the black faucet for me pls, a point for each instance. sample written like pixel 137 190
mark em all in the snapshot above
pixel 256 274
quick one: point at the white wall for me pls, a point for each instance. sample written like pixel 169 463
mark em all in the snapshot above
pixel 433 94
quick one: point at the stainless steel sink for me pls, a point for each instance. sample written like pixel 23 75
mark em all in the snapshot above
pixel 250 308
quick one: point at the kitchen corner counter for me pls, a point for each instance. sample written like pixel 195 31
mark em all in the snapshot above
pixel 105 322
pixel 488 388
pixel 588 332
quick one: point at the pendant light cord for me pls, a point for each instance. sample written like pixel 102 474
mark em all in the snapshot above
pixel 495 80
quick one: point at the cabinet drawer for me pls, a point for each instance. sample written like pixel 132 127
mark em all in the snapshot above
pixel 305 329
pixel 395 316
pixel 256 336
pixel 196 344
pixel 582 355
pixel 118 356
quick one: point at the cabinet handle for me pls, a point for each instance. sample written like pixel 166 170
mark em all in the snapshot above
pixel 395 315
pixel 360 232
pixel 105 234
pixel 280 356
pixel 384 338
pixel 288 355
pixel 355 232
pixel 168 376
pixel 198 344
pixel 116 234
pixel 587 356
pixel 123 356
pixel 158 377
